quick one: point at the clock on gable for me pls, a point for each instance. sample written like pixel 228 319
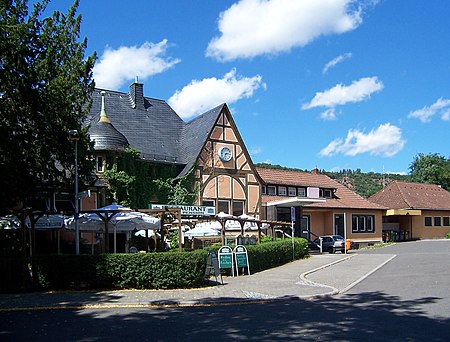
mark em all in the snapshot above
pixel 225 154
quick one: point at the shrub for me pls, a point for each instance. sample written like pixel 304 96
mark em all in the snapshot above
pixel 448 235
pixel 150 270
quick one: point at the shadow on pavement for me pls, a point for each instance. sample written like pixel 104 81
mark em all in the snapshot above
pixel 361 317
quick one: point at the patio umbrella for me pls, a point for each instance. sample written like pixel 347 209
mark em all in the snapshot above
pixel 204 229
pixel 121 218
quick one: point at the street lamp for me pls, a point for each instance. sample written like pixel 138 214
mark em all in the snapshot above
pixel 74 136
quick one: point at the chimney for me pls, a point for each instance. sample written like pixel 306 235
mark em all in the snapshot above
pixel 137 95
pixel 315 171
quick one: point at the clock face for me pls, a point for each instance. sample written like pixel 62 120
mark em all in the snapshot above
pixel 225 154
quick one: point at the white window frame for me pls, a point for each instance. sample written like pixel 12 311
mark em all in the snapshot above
pixel 292 191
pixel 271 190
pixel 301 192
pixel 282 191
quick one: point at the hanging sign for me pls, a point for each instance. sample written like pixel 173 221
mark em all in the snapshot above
pixel 187 210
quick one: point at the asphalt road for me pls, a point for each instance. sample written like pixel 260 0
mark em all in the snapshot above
pixel 405 300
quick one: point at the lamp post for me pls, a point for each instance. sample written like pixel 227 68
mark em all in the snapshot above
pixel 74 136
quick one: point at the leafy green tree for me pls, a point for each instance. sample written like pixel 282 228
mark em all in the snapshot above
pixel 431 168
pixel 45 84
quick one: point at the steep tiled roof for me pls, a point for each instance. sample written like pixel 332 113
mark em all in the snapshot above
pixel 152 126
pixel 343 196
pixel 195 134
pixel 404 195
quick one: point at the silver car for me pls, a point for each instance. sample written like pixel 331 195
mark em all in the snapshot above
pixel 331 243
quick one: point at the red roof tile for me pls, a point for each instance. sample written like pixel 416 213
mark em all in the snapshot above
pixel 404 195
pixel 344 197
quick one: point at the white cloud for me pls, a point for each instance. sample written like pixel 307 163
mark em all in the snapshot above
pixel 337 60
pixel 115 67
pixel 202 95
pixel 329 114
pixel 385 140
pixel 255 151
pixel 358 91
pixel 441 106
pixel 256 27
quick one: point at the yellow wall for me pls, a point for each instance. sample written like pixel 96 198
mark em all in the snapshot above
pixel 420 231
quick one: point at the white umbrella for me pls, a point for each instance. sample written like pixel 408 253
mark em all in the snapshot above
pixel 202 230
pixel 123 219
pixel 52 221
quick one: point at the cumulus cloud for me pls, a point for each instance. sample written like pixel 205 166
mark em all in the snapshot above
pixel 386 140
pixel 440 107
pixel 202 95
pixel 337 60
pixel 115 67
pixel 256 27
pixel 358 91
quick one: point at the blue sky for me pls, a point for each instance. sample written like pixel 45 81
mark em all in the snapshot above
pixel 329 83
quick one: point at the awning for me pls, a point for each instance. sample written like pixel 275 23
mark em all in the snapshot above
pixel 295 202
pixel 403 212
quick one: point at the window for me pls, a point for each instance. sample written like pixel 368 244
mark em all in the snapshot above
pixel 208 203
pixel 238 208
pixel 271 190
pixel 282 191
pixel 301 192
pixel 326 193
pixel 437 221
pixel 428 221
pixel 223 206
pixel 363 223
pixel 446 221
pixel 292 192
pixel 264 191
pixel 99 164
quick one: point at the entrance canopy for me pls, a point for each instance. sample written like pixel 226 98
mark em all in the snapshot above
pixel 403 212
pixel 295 202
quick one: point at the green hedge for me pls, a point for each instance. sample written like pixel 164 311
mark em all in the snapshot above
pixel 121 271
pixel 272 254
pixel 151 270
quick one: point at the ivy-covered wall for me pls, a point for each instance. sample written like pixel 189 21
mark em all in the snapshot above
pixel 136 183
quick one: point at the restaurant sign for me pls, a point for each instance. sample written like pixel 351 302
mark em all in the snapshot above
pixel 187 210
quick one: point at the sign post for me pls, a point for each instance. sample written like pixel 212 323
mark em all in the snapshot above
pixel 293 231
pixel 226 258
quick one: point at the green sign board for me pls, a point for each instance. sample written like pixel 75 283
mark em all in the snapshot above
pixel 241 259
pixel 225 257
pixel 226 260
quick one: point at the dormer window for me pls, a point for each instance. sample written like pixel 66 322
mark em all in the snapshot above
pixel 326 193
pixel 99 164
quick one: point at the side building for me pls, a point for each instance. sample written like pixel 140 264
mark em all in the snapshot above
pixel 336 211
pixel 415 211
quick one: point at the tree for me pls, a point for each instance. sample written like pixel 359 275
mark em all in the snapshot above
pixel 45 87
pixel 431 168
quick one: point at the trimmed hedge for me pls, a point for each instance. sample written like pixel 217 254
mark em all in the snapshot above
pixel 151 270
pixel 121 271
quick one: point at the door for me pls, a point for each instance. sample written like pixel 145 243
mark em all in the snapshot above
pixel 339 224
pixel 304 227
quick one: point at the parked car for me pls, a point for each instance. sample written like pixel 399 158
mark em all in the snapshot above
pixel 330 243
